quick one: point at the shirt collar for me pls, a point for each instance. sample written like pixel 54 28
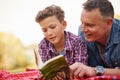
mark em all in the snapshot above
pixel 67 46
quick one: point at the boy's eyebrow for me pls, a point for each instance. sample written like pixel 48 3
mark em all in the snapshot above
pixel 52 25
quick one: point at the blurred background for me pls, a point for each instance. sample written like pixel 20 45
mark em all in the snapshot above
pixel 19 32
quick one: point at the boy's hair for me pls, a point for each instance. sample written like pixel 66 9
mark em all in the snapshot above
pixel 52 10
pixel 105 7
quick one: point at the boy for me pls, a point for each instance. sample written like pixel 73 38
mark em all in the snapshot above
pixel 57 41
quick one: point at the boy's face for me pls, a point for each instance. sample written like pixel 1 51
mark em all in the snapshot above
pixel 53 29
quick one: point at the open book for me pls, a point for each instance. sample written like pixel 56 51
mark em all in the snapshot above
pixel 56 67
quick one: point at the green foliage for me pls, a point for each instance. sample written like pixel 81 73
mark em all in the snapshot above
pixel 12 53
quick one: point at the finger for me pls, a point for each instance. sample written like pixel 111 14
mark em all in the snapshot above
pixel 74 66
pixel 42 78
pixel 82 73
pixel 52 79
pixel 77 71
pixel 55 78
pixel 71 74
pixel 60 77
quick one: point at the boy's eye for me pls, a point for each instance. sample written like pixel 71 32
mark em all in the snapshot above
pixel 52 27
pixel 44 30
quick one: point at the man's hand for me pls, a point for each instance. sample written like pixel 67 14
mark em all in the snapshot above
pixel 80 70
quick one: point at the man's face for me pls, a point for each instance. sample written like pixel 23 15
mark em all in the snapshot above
pixel 94 26
pixel 53 29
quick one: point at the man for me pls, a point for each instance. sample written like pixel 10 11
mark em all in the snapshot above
pixel 102 35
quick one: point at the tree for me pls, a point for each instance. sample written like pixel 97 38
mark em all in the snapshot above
pixel 12 52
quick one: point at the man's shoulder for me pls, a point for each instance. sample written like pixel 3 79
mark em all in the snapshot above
pixel 115 30
pixel 116 20
pixel 116 23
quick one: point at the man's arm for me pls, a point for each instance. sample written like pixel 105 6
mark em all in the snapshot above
pixel 112 71
pixel 81 70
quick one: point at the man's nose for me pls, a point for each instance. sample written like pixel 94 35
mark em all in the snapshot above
pixel 84 28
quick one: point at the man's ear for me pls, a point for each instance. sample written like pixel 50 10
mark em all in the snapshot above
pixel 109 22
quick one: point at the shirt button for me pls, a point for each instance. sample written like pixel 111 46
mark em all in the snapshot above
pixel 105 54
pixel 116 63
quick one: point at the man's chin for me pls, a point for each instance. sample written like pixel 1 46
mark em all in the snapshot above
pixel 89 40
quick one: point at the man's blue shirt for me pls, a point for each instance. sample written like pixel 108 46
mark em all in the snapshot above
pixel 112 48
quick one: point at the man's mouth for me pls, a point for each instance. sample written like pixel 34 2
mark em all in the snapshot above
pixel 88 35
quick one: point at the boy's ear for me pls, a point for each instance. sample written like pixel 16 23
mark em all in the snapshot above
pixel 64 24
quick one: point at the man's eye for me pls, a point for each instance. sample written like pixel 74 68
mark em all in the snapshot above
pixel 90 25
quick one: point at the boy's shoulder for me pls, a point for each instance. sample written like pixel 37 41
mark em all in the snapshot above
pixel 72 36
pixel 43 43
